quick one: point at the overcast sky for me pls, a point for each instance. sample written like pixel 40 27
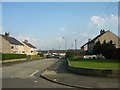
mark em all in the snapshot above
pixel 44 24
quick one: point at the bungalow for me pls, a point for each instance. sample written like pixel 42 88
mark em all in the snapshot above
pixel 29 48
pixel 10 44
pixel 104 35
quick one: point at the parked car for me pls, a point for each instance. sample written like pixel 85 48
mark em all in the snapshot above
pixel 49 56
pixel 56 56
pixel 52 56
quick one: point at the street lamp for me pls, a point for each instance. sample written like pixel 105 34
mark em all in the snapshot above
pixel 65 43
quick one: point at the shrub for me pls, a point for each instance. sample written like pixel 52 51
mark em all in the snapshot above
pixel 69 54
pixel 41 54
pixel 106 49
pixel 13 56
pixel 33 56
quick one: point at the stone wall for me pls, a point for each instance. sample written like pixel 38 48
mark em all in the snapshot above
pixel 94 72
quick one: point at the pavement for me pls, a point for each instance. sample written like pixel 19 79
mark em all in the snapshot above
pixel 58 73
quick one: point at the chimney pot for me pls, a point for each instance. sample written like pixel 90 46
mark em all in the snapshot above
pixel 7 34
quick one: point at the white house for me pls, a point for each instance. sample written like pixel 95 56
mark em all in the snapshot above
pixel 10 45
pixel 29 48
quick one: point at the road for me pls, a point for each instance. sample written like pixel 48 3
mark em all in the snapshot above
pixel 27 75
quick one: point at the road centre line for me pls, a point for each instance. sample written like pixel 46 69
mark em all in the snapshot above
pixel 34 72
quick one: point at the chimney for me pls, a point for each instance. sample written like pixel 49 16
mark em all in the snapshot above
pixel 7 34
pixel 89 39
pixel 102 31
pixel 26 41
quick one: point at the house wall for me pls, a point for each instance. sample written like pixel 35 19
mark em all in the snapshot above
pixel 17 49
pixel 21 49
pixel 34 51
pixel 110 36
pixel 14 48
pixel 5 45
pixel 90 47
pixel 85 47
pixel 28 50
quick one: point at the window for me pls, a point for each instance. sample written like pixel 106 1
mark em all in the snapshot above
pixel 12 47
pixel 23 51
pixel 114 43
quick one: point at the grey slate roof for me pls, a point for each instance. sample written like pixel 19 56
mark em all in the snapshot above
pixel 12 40
pixel 30 45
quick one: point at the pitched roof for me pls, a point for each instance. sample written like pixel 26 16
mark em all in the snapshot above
pixel 12 40
pixel 30 45
pixel 94 38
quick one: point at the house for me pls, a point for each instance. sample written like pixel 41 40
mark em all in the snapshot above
pixel 10 44
pixel 29 48
pixel 103 36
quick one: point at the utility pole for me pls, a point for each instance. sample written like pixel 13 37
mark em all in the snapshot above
pixel 72 46
pixel 75 44
pixel 65 43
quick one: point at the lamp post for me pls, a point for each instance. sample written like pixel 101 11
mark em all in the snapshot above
pixel 75 46
pixel 65 43
pixel 71 46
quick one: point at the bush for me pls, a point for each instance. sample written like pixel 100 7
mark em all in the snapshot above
pixel 13 56
pixel 41 54
pixel 106 49
pixel 69 54
pixel 33 56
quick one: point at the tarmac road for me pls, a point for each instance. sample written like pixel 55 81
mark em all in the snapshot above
pixel 27 75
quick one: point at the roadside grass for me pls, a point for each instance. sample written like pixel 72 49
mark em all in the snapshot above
pixel 93 63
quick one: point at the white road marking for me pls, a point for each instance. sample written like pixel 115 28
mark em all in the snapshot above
pixel 12 76
pixel 34 73
pixel 55 79
pixel 35 81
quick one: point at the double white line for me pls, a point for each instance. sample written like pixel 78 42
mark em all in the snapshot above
pixel 34 72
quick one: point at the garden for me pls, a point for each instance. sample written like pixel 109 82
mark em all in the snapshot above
pixel 95 67
pixel 94 63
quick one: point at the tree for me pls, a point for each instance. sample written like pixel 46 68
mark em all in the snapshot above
pixel 110 50
pixel 106 49
pixel 69 54
pixel 97 48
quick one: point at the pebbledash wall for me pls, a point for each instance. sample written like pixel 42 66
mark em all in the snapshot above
pixel 94 72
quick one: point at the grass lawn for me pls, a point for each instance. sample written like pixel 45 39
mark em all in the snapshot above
pixel 92 63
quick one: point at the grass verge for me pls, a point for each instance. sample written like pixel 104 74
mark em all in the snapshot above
pixel 93 63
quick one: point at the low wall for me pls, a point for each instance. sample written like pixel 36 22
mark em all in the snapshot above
pixel 93 72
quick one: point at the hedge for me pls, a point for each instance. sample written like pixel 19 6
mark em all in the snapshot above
pixel 41 54
pixel 13 56
pixel 33 56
